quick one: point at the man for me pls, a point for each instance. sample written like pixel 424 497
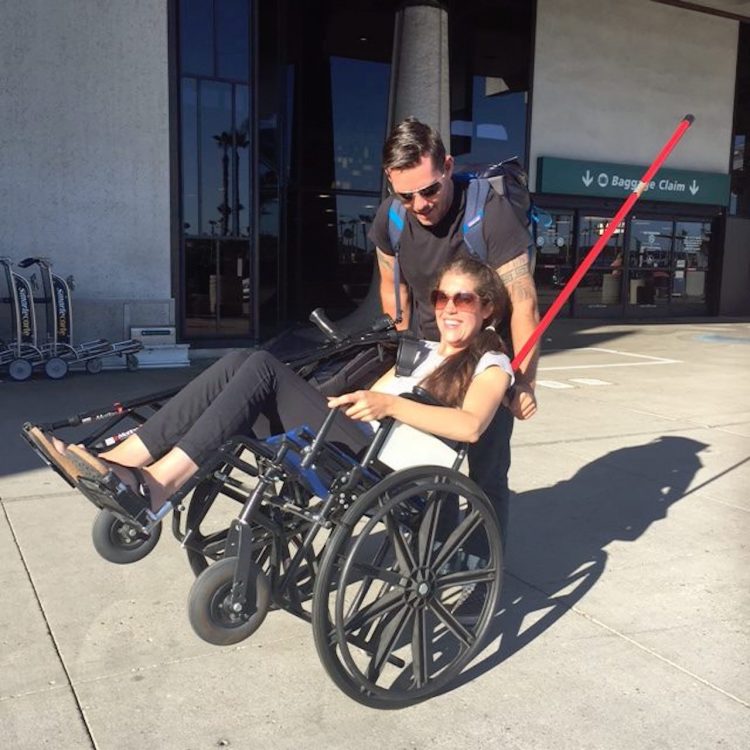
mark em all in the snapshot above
pixel 419 173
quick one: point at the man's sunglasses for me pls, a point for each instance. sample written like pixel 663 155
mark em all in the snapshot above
pixel 462 301
pixel 426 192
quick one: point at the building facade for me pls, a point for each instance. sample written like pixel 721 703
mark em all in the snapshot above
pixel 214 164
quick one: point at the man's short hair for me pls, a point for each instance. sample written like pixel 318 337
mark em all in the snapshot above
pixel 409 141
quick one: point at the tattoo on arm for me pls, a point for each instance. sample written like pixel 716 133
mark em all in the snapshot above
pixel 508 277
pixel 514 269
pixel 517 280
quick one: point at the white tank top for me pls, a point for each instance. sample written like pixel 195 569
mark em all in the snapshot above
pixel 431 360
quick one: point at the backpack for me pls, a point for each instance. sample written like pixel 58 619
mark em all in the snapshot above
pixel 508 179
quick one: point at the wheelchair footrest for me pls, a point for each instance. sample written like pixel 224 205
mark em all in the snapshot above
pixel 110 494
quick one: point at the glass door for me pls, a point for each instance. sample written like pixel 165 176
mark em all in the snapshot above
pixel 650 264
pixel 600 290
pixel 692 241
pixel 218 298
pixel 554 256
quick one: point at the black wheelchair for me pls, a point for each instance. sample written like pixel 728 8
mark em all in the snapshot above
pixel 394 556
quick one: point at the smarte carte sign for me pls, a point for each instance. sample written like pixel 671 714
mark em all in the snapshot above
pixel 607 180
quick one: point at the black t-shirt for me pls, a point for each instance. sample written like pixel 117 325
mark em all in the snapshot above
pixel 424 250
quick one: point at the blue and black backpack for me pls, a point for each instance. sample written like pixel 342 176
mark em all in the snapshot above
pixel 508 179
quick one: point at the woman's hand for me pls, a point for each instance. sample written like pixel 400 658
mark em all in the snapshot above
pixel 364 405
pixel 523 404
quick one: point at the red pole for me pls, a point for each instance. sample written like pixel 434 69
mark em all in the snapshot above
pixel 568 289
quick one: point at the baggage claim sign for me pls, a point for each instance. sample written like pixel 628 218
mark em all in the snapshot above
pixel 607 180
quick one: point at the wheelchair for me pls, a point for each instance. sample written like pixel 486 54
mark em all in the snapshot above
pixel 338 363
pixel 394 556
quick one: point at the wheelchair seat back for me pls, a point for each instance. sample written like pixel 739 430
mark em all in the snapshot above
pixel 406 446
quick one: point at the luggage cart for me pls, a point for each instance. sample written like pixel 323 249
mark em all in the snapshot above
pixel 58 350
pixel 22 353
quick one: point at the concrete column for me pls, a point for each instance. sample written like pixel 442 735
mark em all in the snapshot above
pixel 419 71
pixel 419 87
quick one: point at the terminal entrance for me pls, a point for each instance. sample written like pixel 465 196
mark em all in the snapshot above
pixel 650 266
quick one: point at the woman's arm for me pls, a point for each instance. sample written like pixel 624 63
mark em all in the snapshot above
pixel 465 424
pixel 386 377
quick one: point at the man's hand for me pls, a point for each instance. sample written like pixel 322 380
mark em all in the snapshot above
pixel 523 403
pixel 365 405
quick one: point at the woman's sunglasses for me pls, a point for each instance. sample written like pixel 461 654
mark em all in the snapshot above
pixel 462 301
pixel 426 192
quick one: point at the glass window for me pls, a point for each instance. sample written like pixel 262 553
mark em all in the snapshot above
pixel 650 243
pixel 601 286
pixel 359 91
pixel 353 216
pixel 268 288
pixel 189 145
pixel 241 155
pixel 498 128
pixel 650 262
pixel 196 37
pixel 215 156
pixel 739 199
pixel 232 34
pixel 691 258
pixel 215 159
pixel 554 255
pixel 490 77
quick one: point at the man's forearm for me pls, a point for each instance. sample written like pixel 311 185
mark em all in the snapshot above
pixel 519 283
pixel 388 303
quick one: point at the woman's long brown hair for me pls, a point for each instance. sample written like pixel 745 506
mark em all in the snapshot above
pixel 450 381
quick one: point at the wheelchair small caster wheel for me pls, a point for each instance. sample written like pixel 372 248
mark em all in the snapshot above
pixel 55 368
pixel 94 366
pixel 210 609
pixel 131 362
pixel 20 370
pixel 121 542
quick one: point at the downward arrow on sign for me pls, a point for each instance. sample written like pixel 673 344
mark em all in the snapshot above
pixel 587 179
pixel 693 187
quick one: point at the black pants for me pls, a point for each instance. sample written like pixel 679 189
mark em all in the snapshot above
pixel 244 393
pixel 489 463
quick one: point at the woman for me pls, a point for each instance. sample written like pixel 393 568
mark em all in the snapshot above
pixel 466 369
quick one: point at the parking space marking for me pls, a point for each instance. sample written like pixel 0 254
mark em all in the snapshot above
pixel 644 360
pixel 556 384
pixel 590 381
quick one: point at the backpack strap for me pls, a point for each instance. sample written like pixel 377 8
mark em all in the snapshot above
pixel 410 354
pixel 396 222
pixel 476 197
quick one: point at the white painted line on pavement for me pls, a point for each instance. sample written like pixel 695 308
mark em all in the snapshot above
pixel 554 384
pixel 590 381
pixel 649 359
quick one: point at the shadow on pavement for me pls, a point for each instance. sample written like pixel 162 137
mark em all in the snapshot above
pixel 558 535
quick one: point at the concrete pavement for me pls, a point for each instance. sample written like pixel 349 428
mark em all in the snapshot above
pixel 624 619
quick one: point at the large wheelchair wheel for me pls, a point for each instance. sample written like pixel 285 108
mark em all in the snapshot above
pixel 407 587
pixel 119 541
pixel 210 609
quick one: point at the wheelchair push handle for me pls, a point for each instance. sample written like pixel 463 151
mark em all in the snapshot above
pixel 321 320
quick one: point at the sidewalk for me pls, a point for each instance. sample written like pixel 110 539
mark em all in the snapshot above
pixel 624 619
